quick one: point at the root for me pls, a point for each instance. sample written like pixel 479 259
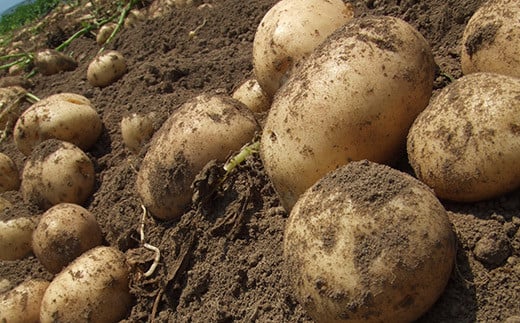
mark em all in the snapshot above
pixel 156 250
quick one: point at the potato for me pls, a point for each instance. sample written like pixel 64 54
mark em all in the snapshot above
pixel 50 61
pixel 93 288
pixel 104 32
pixel 16 237
pixel 466 143
pixel 252 95
pixel 22 303
pixel 368 243
pixel 64 116
pixel 10 106
pixel 57 172
pixel 64 232
pixel 206 128
pixel 106 68
pixel 354 98
pixel 9 177
pixel 289 32
pixel 491 39
pixel 134 17
pixel 137 129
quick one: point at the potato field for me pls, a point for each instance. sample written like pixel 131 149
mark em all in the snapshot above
pixel 262 161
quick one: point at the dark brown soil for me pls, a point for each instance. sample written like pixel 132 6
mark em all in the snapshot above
pixel 222 261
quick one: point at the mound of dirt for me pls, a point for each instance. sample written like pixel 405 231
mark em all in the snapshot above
pixel 222 261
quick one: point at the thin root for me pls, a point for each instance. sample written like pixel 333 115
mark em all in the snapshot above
pixel 156 250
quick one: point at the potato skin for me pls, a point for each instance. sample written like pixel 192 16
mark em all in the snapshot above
pixel 56 172
pixel 64 116
pixel 208 127
pixel 491 39
pixel 93 288
pixel 22 303
pixel 16 237
pixel 64 232
pixel 9 177
pixel 354 98
pixel 289 32
pixel 466 143
pixel 368 243
pixel 106 68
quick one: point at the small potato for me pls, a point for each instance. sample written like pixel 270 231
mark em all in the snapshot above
pixel 104 32
pixel 354 98
pixel 9 177
pixel 64 232
pixel 491 39
pixel 137 129
pixel 22 303
pixel 16 237
pixel 289 32
pixel 253 96
pixel 368 243
pixel 133 18
pixel 466 143
pixel 64 116
pixel 10 106
pixel 57 172
pixel 50 62
pixel 106 68
pixel 208 127
pixel 94 288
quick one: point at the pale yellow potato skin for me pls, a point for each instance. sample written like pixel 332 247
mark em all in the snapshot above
pixel 466 143
pixel 368 243
pixel 93 288
pixel 354 98
pixel 491 39
pixel 252 95
pixel 289 32
pixel 64 232
pixel 65 116
pixel 22 303
pixel 57 172
pixel 106 68
pixel 16 237
pixel 9 177
pixel 136 130
pixel 208 127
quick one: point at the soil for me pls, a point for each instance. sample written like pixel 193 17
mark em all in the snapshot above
pixel 222 261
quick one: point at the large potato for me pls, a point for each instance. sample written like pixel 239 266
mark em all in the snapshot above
pixel 57 172
pixel 22 303
pixel 9 177
pixel 368 243
pixel 16 237
pixel 354 98
pixel 64 232
pixel 491 39
pixel 93 288
pixel 466 143
pixel 289 32
pixel 64 116
pixel 205 128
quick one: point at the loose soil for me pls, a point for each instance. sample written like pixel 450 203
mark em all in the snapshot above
pixel 222 261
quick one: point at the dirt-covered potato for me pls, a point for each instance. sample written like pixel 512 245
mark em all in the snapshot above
pixel 252 95
pixel 289 32
pixel 64 116
pixel 9 177
pixel 368 243
pixel 106 68
pixel 491 39
pixel 208 127
pixel 63 233
pixel 50 61
pixel 136 129
pixel 93 288
pixel 22 303
pixel 57 172
pixel 466 143
pixel 10 106
pixel 134 17
pixel 354 98
pixel 104 32
pixel 16 237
